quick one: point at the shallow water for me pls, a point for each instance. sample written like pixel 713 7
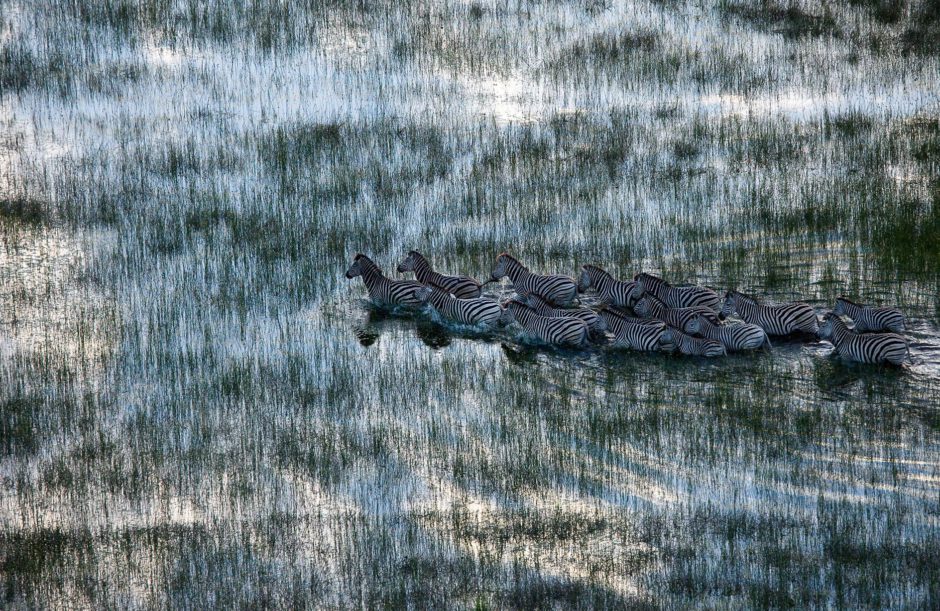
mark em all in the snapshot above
pixel 197 409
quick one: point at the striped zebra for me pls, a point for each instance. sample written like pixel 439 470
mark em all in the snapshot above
pixel 733 337
pixel 633 333
pixel 462 287
pixel 868 318
pixel 610 290
pixel 558 289
pixel 677 296
pixel 562 331
pixel 774 319
pixel 477 311
pixel 544 308
pixel 867 348
pixel 383 291
pixel 693 346
pixel 650 307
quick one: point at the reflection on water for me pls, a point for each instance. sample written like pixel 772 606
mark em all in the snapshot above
pixel 198 410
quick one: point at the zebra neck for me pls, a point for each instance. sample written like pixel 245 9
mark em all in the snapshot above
pixel 423 271
pixel 839 334
pixel 372 277
pixel 517 272
pixel 439 298
pixel 851 310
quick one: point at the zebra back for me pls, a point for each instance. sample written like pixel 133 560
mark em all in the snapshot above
pixel 634 333
pixel 742 336
pixel 782 319
pixel 693 346
pixel 382 290
pixel 564 330
pixel 544 308
pixel 678 297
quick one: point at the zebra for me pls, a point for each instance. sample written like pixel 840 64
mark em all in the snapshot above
pixel 677 296
pixel 558 289
pixel 477 311
pixel 867 348
pixel 693 346
pixel 543 308
pixel 633 333
pixel 733 337
pixel 564 331
pixel 462 287
pixel 384 291
pixel 774 319
pixel 611 290
pixel 868 318
pixel 651 307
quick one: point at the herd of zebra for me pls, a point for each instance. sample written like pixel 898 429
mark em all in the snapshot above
pixel 646 313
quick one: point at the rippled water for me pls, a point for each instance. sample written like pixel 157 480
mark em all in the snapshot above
pixel 197 409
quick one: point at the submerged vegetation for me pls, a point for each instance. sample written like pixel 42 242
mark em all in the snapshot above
pixel 197 409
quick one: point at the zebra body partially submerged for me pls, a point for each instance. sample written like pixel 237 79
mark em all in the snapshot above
pixel 609 289
pixel 864 348
pixel 384 291
pixel 556 288
pixel 741 336
pixel 634 333
pixel 870 319
pixel 651 307
pixel 562 331
pixel 462 287
pixel 544 308
pixel 693 346
pixel 677 296
pixel 477 311
pixel 774 319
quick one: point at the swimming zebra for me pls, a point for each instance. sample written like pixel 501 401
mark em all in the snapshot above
pixel 462 287
pixel 477 311
pixel 677 296
pixel 544 308
pixel 634 333
pixel 867 348
pixel 868 318
pixel 384 291
pixel 610 290
pixel 693 346
pixel 774 319
pixel 734 337
pixel 651 307
pixel 564 331
pixel 558 289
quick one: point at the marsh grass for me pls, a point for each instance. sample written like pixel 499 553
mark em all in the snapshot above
pixel 197 409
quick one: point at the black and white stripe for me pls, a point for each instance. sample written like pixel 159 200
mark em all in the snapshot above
pixel 693 346
pixel 774 319
pixel 544 308
pixel 558 289
pixel 867 348
pixel 610 290
pixel 384 291
pixel 868 318
pixel 651 307
pixel 678 296
pixel 634 333
pixel 562 331
pixel 462 287
pixel 742 336
pixel 477 311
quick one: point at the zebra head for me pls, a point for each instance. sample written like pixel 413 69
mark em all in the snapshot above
pixel 636 293
pixel 729 305
pixel 584 279
pixel 643 307
pixel 356 268
pixel 408 265
pixel 667 339
pixel 501 269
pixel 694 325
pixel 827 328
pixel 508 317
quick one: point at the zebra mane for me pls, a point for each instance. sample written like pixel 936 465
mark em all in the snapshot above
pixel 510 257
pixel 848 301
pixel 435 285
pixel 539 297
pixel 597 269
pixel 654 299
pixel 415 253
pixel 744 295
pixel 651 277
pixel 369 262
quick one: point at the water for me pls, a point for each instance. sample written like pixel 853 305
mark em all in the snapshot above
pixel 198 409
